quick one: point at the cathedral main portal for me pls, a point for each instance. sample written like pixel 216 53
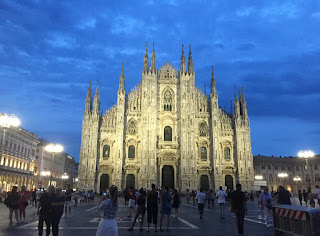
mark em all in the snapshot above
pixel 168 176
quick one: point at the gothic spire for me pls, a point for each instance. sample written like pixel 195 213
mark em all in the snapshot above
pixel 213 82
pixel 153 61
pixel 236 104
pixel 96 102
pixel 190 62
pixel 88 106
pixel 121 84
pixel 231 108
pixel 145 61
pixel 182 62
pixel 243 104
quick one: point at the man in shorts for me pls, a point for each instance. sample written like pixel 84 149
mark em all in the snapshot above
pixel 132 200
pixel 68 196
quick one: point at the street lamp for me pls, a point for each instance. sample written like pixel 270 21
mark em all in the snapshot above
pixel 64 178
pixel 306 155
pixel 297 180
pixel 258 177
pixel 282 176
pixel 53 148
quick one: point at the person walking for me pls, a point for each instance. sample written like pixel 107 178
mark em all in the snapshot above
pixel 300 196
pixel 23 203
pixel 67 206
pixel 176 202
pixel 193 197
pixel 57 203
pixel 266 200
pixel 305 197
pixel 200 199
pixel 239 207
pixel 11 202
pixel 221 195
pixel 284 196
pixel 141 210
pixel 108 224
pixel 188 194
pixel 165 207
pixel 45 210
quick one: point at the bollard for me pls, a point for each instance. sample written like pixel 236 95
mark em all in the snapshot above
pixel 296 220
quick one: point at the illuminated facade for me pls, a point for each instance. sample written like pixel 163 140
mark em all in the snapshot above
pixel 17 158
pixel 165 131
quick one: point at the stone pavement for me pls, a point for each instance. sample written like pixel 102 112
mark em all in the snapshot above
pixel 85 220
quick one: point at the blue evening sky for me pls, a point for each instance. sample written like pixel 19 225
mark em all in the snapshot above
pixel 49 50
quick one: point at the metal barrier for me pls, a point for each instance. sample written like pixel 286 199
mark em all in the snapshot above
pixel 296 220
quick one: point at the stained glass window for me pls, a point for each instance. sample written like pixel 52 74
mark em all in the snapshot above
pixel 167 133
pixel 132 128
pixel 167 101
pixel 106 152
pixel 131 151
pixel 203 153
pixel 227 153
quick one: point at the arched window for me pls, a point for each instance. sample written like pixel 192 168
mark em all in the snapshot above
pixel 227 153
pixel 203 129
pixel 203 153
pixel 131 152
pixel 167 101
pixel 132 129
pixel 167 133
pixel 106 152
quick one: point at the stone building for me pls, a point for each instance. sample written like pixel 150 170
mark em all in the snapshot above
pixel 17 157
pixel 299 176
pixel 165 131
pixel 48 167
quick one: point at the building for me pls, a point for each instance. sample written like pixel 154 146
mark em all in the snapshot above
pixel 291 172
pixel 49 166
pixel 165 131
pixel 17 158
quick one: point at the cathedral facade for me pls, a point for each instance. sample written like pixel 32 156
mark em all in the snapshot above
pixel 165 131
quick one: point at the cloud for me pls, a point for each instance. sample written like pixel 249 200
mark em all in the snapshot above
pixel 246 47
pixel 245 11
pixel 89 23
pixel 58 40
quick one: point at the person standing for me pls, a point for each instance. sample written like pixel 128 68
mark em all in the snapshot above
pixel 200 199
pixel 239 207
pixel 188 197
pixel 11 201
pixel 284 196
pixel 45 210
pixel 23 203
pixel 152 207
pixel 108 224
pixel 221 195
pixel 300 196
pixel 305 197
pixel 67 206
pixel 176 202
pixel 266 200
pixel 57 203
pixel 165 207
pixel 132 200
pixel 141 210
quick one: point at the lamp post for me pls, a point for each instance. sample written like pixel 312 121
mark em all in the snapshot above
pixel 306 155
pixel 6 122
pixel 53 148
pixel 282 176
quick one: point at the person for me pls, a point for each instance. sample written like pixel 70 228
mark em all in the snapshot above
pixel 68 196
pixel 23 203
pixel 132 200
pixel 284 196
pixel 152 207
pixel 141 210
pixel 75 197
pixel 92 195
pixel 300 196
pixel 33 198
pixel 165 207
pixel 221 195
pixel 305 197
pixel 312 201
pixel 108 224
pixel 193 197
pixel 200 199
pixel 188 197
pixel 318 194
pixel 239 207
pixel 251 196
pixel 213 197
pixel 57 203
pixel 45 210
pixel 176 202
pixel 11 201
pixel 208 198
pixel 125 196
pixel 265 201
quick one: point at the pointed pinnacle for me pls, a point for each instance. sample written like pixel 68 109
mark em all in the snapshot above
pixel 182 51
pixel 153 47
pixel 122 72
pixel 190 49
pixel 146 50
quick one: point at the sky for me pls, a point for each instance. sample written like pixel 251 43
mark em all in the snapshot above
pixel 49 50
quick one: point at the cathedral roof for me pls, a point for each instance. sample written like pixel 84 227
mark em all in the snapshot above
pixel 167 72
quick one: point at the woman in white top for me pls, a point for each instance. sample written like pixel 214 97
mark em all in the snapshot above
pixel 108 224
